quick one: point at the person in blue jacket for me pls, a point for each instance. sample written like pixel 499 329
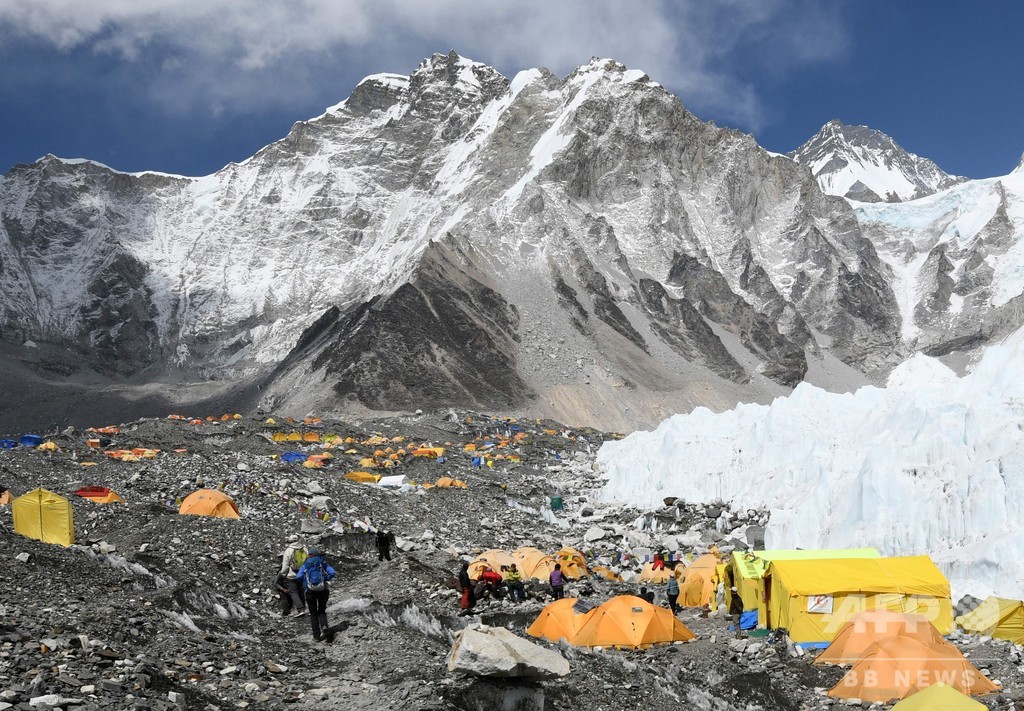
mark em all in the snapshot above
pixel 315 575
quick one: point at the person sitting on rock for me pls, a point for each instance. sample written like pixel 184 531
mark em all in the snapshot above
pixel 291 560
pixel 514 580
pixel 557 580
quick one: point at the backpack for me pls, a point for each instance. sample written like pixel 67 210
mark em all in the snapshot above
pixel 316 575
pixel 299 556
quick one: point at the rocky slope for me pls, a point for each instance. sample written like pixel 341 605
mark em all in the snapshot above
pixel 580 247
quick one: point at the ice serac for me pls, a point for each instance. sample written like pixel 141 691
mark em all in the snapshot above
pixel 932 465
pixel 579 247
pixel 864 164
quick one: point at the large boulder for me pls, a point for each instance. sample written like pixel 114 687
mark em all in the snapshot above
pixel 495 652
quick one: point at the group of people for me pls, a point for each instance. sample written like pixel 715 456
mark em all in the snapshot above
pixel 491 583
pixel 303 581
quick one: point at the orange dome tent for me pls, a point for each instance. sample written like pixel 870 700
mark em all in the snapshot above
pixel 559 621
pixel 606 573
pixel 493 558
pixel 870 626
pixel 446 482
pixel 897 667
pixel 209 502
pixel 629 622
pixel 699 581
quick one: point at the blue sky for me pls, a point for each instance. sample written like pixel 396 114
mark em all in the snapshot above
pixel 186 87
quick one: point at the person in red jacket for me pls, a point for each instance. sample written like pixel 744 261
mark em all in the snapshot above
pixel 492 582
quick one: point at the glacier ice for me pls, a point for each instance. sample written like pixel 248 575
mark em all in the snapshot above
pixel 928 467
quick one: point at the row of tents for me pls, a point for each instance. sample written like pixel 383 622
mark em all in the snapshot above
pixel 624 621
pixel 49 517
pixel 531 562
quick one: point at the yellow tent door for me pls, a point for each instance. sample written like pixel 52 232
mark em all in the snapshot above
pixel 44 516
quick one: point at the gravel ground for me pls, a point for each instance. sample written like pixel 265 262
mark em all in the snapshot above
pixel 155 610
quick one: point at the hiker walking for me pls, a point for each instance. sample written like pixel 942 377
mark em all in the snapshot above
pixel 291 560
pixel 468 593
pixel 384 541
pixel 314 575
pixel 557 580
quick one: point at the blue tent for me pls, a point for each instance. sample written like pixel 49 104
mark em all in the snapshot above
pixel 31 440
pixel 8 444
pixel 293 457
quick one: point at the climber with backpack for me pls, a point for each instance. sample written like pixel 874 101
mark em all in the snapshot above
pixel 291 591
pixel 314 576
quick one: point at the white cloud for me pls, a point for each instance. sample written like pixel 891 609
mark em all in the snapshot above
pixel 237 51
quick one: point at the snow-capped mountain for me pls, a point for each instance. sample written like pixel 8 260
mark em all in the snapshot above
pixel 931 465
pixel 578 247
pixel 864 164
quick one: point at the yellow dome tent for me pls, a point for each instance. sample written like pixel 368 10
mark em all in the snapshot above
pixel 870 626
pixel 699 582
pixel 574 565
pixel 44 516
pixel 606 573
pixel 493 558
pixel 897 667
pixel 939 697
pixel 996 617
pixel 534 563
pixel 559 621
pixel 650 575
pixel 629 622
pixel 209 502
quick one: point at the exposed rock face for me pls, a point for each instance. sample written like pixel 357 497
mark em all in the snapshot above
pixel 583 248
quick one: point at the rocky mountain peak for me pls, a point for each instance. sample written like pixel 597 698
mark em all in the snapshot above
pixel 865 164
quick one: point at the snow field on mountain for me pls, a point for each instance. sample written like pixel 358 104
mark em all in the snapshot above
pixel 934 465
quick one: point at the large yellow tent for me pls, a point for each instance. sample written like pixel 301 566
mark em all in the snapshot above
pixel 897 667
pixel 700 579
pixel 559 621
pixel 44 516
pixel 494 559
pixel 939 697
pixel 628 622
pixel 814 598
pixel 749 567
pixel 996 617
pixel 209 502
pixel 870 626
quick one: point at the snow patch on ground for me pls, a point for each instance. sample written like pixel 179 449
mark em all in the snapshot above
pixel 922 468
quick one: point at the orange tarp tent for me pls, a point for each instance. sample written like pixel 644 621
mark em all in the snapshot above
pixel 699 582
pixel 559 621
pixel 897 667
pixel 446 482
pixel 628 622
pixel 209 502
pixel 99 495
pixel 650 575
pixel 870 626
